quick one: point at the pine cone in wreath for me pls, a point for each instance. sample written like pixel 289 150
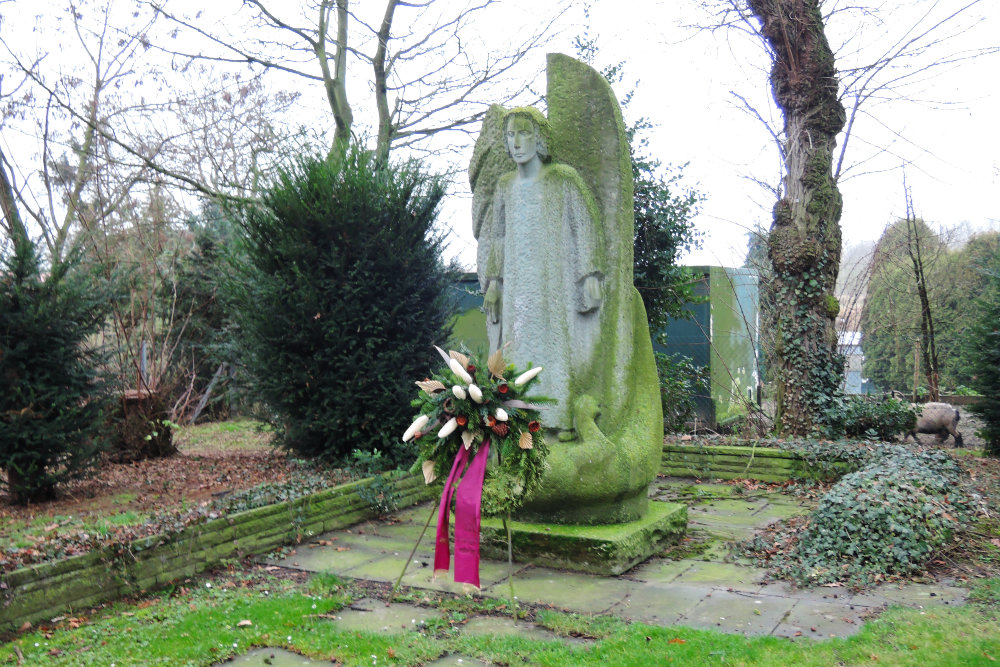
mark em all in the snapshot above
pixel 500 428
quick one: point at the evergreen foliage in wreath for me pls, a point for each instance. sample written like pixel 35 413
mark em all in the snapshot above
pixel 463 404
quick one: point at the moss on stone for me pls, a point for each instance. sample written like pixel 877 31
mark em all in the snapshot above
pixel 600 549
pixel 45 590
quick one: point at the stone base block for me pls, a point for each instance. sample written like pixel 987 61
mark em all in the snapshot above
pixel 605 549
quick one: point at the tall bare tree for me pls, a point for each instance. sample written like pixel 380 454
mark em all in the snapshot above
pixel 804 243
pixel 424 78
pixel 927 341
pixel 101 119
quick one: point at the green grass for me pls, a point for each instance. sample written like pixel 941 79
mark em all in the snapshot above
pixel 224 436
pixel 202 627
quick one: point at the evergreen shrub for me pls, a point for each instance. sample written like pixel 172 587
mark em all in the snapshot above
pixel 53 395
pixel 982 343
pixel 339 296
pixel 680 382
pixel 863 417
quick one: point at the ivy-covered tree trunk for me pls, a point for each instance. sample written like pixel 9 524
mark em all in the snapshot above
pixel 804 243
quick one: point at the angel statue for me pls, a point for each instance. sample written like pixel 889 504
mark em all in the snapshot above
pixel 552 214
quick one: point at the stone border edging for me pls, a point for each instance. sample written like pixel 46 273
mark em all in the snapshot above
pixel 45 590
pixel 765 464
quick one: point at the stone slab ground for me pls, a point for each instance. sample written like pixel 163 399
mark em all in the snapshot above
pixel 706 590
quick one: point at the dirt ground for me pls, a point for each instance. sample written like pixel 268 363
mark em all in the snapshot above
pixel 206 467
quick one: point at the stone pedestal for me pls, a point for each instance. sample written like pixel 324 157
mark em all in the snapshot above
pixel 601 549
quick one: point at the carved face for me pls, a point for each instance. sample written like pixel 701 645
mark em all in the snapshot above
pixel 521 139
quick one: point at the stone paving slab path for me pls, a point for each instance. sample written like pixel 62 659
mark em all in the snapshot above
pixel 702 591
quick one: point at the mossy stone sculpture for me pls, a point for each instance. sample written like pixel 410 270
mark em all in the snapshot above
pixel 552 211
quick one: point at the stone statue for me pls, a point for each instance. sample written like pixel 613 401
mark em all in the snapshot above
pixel 541 264
pixel 552 212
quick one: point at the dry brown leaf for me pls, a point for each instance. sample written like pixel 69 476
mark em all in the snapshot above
pixel 430 386
pixel 525 442
pixel 428 470
pixel 496 364
pixel 459 357
pixel 245 623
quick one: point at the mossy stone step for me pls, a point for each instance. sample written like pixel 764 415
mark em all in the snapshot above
pixel 603 549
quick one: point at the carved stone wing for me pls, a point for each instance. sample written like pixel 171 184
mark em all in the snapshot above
pixel 587 133
pixel 489 162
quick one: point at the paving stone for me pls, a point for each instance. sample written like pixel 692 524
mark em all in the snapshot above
pixel 329 559
pixel 492 578
pixel 659 570
pixel 382 543
pixel 746 614
pixel 579 592
pixel 832 594
pixel 722 575
pixel 923 595
pixel 719 550
pixel 821 620
pixel 417 514
pixel 275 657
pixel 659 604
pixel 776 512
pixel 716 527
pixel 745 523
pixel 388 567
pixel 731 508
pixel 404 531
pixel 370 615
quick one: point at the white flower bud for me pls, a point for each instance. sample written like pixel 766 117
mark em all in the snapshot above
pixel 459 392
pixel 476 393
pixel 459 371
pixel 527 376
pixel 501 415
pixel 448 428
pixel 418 424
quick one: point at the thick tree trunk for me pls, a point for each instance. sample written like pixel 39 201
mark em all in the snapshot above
pixel 12 223
pixel 804 243
pixel 385 128
pixel 335 82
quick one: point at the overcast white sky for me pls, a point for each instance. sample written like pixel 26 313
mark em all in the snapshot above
pixel 686 78
pixel 947 139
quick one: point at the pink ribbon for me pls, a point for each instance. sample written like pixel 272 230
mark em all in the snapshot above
pixel 468 504
pixel 442 556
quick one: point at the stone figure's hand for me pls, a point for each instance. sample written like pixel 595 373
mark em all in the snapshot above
pixel 592 296
pixel 491 303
